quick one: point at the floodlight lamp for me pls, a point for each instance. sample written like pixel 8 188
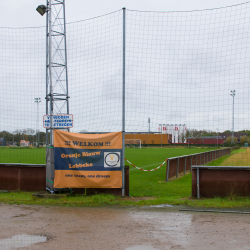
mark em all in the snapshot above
pixel 37 100
pixel 41 9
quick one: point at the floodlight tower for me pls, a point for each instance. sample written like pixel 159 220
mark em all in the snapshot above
pixel 56 62
pixel 56 75
pixel 233 94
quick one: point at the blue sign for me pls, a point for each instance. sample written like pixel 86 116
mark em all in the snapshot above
pixel 58 121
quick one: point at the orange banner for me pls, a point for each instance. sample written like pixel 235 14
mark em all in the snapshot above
pixel 87 179
pixel 63 139
pixel 87 160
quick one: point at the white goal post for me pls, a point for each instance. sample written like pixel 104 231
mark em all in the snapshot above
pixel 134 142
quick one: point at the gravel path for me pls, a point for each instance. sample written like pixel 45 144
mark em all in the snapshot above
pixel 130 228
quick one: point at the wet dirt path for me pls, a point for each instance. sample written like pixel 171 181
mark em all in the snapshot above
pixel 125 228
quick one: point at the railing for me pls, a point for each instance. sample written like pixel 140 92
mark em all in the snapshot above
pixel 181 164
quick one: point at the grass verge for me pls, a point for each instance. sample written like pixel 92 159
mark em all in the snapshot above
pixel 239 157
pixel 177 192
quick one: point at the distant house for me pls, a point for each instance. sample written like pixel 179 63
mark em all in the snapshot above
pixel 24 143
pixel 237 135
pixel 205 140
pixel 2 142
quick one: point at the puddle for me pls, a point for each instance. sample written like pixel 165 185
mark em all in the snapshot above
pixel 141 247
pixel 162 205
pixel 22 240
pixel 173 226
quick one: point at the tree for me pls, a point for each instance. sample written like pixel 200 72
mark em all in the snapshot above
pixel 245 131
pixel 243 139
pixel 229 140
pixel 30 131
pixel 182 137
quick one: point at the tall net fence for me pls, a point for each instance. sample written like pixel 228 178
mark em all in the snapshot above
pixel 95 73
pixel 180 69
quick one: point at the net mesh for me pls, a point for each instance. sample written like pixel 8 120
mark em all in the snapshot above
pixel 180 69
pixel 182 66
pixel 95 73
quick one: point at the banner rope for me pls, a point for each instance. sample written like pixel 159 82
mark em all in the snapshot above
pixel 145 169
pixel 49 181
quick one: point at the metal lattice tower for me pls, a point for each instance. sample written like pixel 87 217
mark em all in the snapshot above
pixel 56 63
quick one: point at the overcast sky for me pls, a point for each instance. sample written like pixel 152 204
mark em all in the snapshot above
pixel 23 13
pixel 180 67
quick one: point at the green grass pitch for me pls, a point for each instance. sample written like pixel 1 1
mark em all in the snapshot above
pixel 153 183
pixel 147 158
pixel 23 155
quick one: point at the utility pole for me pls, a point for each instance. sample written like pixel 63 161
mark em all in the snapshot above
pixel 161 133
pixel 233 94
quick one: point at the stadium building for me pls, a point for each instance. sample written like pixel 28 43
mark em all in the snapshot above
pixel 148 138
pixel 177 132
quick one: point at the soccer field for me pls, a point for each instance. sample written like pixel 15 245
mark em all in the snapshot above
pixel 141 183
pixel 145 158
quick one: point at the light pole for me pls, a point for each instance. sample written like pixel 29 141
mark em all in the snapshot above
pixel 148 130
pixel 233 94
pixel 13 139
pixel 161 133
pixel 37 100
pixel 217 137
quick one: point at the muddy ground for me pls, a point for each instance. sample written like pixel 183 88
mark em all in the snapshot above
pixel 123 228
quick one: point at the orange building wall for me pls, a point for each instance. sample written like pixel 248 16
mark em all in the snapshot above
pixel 149 138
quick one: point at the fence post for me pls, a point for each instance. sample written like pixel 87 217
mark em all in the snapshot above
pixel 177 167
pixel 168 168
pixel 198 183
pixel 191 163
pixel 123 103
pixel 185 165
